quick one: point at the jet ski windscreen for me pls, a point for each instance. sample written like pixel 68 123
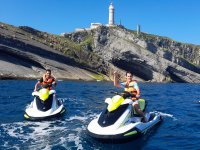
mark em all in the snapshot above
pixel 108 118
pixel 44 105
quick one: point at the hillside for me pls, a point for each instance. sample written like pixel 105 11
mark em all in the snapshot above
pixel 26 53
pixel 94 54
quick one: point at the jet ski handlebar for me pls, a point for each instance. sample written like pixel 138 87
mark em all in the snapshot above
pixel 124 94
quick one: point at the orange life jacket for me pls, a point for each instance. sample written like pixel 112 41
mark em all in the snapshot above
pixel 48 81
pixel 129 87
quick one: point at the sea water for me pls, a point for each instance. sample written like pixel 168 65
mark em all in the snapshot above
pixel 178 104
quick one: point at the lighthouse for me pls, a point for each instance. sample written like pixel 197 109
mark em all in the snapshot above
pixel 111 15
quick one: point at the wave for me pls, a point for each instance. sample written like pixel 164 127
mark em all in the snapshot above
pixel 43 135
pixel 64 133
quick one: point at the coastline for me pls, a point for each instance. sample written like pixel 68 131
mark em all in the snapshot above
pixel 26 53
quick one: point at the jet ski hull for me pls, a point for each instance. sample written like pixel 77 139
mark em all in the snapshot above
pixel 42 110
pixel 32 118
pixel 133 133
pixel 130 130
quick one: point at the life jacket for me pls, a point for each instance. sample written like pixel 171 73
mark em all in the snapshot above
pixel 48 81
pixel 129 87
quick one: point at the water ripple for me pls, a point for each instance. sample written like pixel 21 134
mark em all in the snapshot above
pixel 177 103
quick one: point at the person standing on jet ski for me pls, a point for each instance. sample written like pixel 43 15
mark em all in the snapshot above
pixel 132 87
pixel 47 80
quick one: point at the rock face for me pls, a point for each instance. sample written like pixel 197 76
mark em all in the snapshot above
pixel 26 52
pixel 146 60
pixel 22 57
pixel 19 64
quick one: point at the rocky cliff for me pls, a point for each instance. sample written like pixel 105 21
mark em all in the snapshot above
pixel 25 53
pixel 94 54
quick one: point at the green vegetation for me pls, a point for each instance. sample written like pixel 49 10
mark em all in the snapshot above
pixel 78 50
pixel 168 79
pixel 148 37
pixel 79 45
pixel 88 41
pixel 95 75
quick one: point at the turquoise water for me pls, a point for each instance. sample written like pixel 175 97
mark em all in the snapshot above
pixel 83 101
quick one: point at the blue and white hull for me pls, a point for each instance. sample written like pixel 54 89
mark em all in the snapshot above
pixel 125 127
pixel 39 111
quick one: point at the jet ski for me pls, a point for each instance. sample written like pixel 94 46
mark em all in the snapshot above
pixel 44 106
pixel 118 121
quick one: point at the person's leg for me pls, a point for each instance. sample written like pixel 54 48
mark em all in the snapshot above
pixel 136 106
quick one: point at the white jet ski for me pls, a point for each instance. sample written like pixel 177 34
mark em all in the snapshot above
pixel 44 106
pixel 119 121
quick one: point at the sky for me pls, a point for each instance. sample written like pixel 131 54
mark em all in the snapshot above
pixel 176 19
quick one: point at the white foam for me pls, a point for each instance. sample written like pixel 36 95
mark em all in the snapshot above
pixel 76 139
pixel 77 118
pixel 66 99
pixel 62 140
pixel 41 134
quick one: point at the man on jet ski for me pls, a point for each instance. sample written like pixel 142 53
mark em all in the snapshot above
pixel 45 104
pixel 130 86
pixel 47 80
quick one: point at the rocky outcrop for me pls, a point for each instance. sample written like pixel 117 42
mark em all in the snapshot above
pixel 85 54
pixel 22 57
pixel 17 64
pixel 150 58
pixel 126 51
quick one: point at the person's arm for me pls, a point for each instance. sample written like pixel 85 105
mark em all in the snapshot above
pixel 43 77
pixel 54 82
pixel 36 85
pixel 116 80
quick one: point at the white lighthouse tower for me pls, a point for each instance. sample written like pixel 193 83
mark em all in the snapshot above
pixel 111 15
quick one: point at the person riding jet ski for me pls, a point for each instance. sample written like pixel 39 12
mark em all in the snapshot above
pixel 120 120
pixel 46 80
pixel 132 87
pixel 45 104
